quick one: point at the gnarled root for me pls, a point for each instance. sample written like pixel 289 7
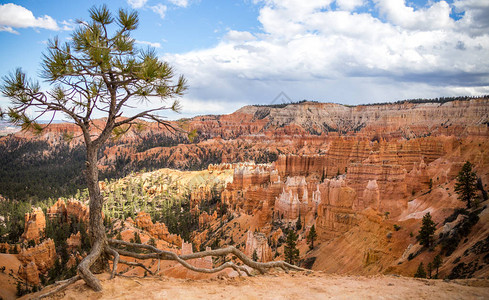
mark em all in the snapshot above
pixel 168 255
pixel 87 262
pixel 135 264
pixel 61 286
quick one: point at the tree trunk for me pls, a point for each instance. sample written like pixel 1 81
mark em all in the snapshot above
pixel 96 260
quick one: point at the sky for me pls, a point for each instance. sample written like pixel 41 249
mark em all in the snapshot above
pixel 235 53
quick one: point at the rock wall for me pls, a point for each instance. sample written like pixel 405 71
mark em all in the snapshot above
pixel 71 208
pixel 205 262
pixel 35 224
pixel 257 241
pixel 157 230
pixel 37 260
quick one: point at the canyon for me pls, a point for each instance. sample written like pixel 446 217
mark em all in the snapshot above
pixel 364 176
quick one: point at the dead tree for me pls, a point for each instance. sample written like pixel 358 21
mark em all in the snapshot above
pixel 98 74
pixel 155 253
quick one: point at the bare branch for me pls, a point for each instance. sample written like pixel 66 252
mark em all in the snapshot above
pixel 168 255
pixel 62 285
pixel 136 264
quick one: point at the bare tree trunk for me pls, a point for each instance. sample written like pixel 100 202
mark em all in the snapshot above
pixel 95 261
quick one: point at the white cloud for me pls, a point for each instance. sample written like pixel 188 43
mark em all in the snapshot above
pixel 349 4
pixel 155 45
pixel 68 25
pixel 160 9
pixel 436 16
pixel 136 3
pixel 476 16
pixel 313 52
pixel 16 16
pixel 181 3
pixel 239 36
pixel 8 29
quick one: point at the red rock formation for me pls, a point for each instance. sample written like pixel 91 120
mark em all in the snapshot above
pixel 58 209
pixel 205 218
pixel 35 224
pixel 257 241
pixel 71 208
pixel 335 211
pixel 30 273
pixel 199 194
pixel 9 248
pixel 38 259
pixel 204 262
pixel 157 230
pixel 74 241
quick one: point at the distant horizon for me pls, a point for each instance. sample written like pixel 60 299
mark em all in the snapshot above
pixel 354 52
pixel 423 100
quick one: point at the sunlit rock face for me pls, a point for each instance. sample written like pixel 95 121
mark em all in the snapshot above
pixel 256 242
pixel 157 230
pixel 34 226
pixel 37 260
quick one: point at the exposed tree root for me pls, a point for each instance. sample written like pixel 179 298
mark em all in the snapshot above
pixel 135 264
pixel 168 255
pixel 98 249
pixel 87 262
pixel 62 285
pixel 115 262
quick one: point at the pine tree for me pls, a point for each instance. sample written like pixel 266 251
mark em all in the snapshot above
pixel 255 255
pixel 311 237
pixel 420 273
pixel 466 184
pixel 298 224
pixel 429 269
pixel 425 236
pixel 437 261
pixel 137 237
pixel 98 72
pixel 290 248
pixel 20 291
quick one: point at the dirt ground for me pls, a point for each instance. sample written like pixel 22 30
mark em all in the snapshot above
pixel 295 285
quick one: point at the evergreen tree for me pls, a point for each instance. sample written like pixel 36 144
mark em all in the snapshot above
pixel 420 273
pixel 425 236
pixel 466 184
pixel 311 237
pixel 20 291
pixel 298 224
pixel 290 248
pixel 429 269
pixel 152 242
pixel 255 255
pixel 437 261
pixel 137 238
pixel 98 72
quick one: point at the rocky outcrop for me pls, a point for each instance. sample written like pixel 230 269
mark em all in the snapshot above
pixel 257 242
pixel 74 241
pixel 35 224
pixel 36 260
pixel 9 248
pixel 30 273
pixel 335 211
pixel 69 209
pixel 205 218
pixel 157 230
pixel 204 262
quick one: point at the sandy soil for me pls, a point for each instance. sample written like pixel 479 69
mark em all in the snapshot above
pixel 8 278
pixel 309 285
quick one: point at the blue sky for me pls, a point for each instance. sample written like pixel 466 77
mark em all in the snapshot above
pixel 248 51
